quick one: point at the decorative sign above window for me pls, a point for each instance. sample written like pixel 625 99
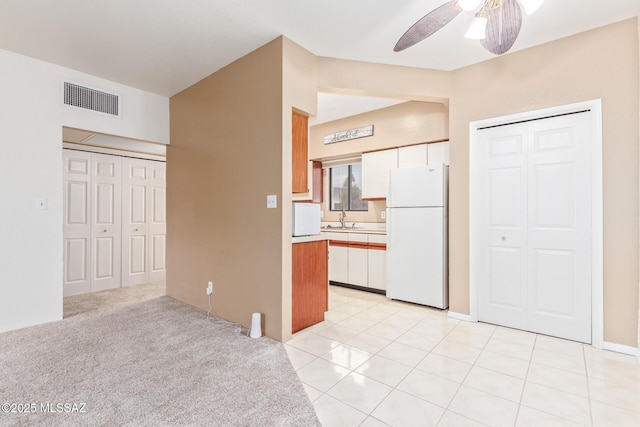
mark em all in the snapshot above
pixel 346 135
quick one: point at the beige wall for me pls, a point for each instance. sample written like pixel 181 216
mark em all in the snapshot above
pixel 408 123
pixel 299 92
pixel 385 81
pixel 230 148
pixel 602 63
pixel 226 156
pixel 402 124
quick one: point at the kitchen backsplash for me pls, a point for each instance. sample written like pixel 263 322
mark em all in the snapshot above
pixel 373 215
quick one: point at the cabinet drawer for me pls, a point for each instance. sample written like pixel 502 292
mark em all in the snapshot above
pixel 377 238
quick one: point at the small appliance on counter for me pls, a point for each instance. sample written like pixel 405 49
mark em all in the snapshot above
pixel 306 219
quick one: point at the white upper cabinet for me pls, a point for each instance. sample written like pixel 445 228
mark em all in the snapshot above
pixel 375 172
pixel 438 152
pixel 376 165
pixel 412 156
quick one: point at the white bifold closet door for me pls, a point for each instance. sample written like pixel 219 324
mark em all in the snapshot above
pixel 77 222
pixel 114 221
pixel 534 232
pixel 92 222
pixel 144 224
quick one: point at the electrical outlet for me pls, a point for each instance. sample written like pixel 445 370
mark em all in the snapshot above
pixel 383 214
pixel 210 288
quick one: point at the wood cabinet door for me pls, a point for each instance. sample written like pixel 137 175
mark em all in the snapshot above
pixel 299 152
pixel 310 285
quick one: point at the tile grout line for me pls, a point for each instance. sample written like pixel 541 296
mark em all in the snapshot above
pixel 465 377
pixel 586 374
pixel 526 375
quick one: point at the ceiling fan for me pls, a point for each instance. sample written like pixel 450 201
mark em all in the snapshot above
pixel 497 23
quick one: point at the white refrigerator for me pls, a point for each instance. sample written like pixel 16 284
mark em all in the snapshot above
pixel 417 267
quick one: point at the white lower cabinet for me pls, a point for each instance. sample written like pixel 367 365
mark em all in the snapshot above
pixel 377 266
pixel 338 264
pixel 338 258
pixel 358 274
pixel 354 262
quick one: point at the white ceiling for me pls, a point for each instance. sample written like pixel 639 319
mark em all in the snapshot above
pixel 164 46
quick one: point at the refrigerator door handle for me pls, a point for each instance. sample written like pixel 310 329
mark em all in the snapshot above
pixel 388 228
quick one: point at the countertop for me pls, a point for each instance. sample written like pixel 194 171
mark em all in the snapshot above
pixel 355 230
pixel 313 238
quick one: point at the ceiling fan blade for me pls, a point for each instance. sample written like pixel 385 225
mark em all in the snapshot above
pixel 428 25
pixel 503 27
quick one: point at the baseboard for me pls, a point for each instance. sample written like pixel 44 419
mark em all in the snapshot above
pixel 359 288
pixel 620 348
pixel 459 316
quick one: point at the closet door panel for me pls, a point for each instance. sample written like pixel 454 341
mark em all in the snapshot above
pixel 135 223
pixel 106 227
pixel 77 222
pixel 157 221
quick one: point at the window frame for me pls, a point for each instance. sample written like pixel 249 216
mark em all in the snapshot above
pixel 349 168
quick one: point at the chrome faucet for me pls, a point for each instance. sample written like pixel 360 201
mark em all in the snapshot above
pixel 343 217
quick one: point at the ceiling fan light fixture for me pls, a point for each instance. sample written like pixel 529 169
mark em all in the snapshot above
pixel 531 6
pixel 478 28
pixel 469 5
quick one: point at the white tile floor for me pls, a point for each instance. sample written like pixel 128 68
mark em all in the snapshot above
pixel 377 362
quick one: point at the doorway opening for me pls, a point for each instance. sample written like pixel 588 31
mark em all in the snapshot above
pixel 114 222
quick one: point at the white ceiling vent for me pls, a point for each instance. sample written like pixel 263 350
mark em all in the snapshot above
pixel 91 99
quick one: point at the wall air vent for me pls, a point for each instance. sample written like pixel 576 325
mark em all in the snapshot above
pixel 91 99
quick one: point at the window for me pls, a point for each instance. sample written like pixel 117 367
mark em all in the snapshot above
pixel 346 188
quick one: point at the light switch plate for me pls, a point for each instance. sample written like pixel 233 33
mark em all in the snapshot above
pixel 272 201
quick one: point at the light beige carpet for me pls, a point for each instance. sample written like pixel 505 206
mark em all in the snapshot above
pixel 154 363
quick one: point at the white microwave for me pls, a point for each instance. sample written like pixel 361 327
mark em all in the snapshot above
pixel 306 219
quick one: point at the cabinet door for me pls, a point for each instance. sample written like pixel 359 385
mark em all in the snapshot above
pixel 338 257
pixel 309 284
pixel 377 261
pixel 412 156
pixel 314 182
pixel 299 152
pixel 358 274
pixel 375 172
pixel 377 268
pixel 438 153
